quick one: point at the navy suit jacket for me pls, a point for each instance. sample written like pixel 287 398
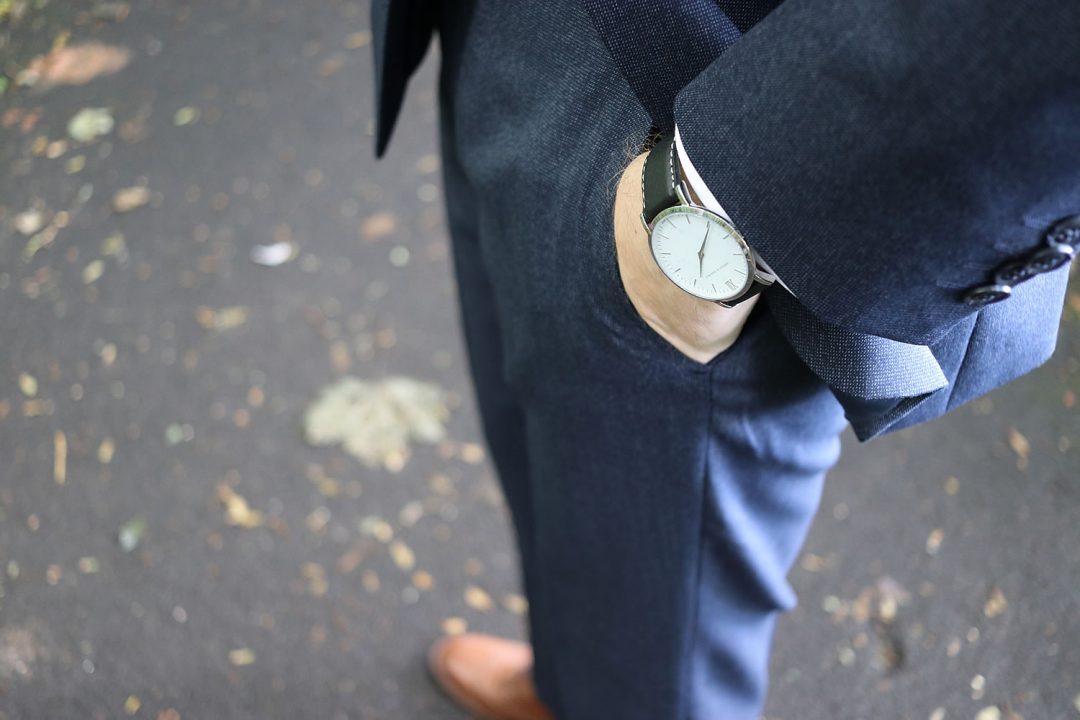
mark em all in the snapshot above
pixel 894 161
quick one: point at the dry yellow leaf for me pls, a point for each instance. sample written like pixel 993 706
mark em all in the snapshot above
pixel 106 450
pixel 28 384
pixel 472 453
pixel 60 451
pixel 92 272
pixel 130 198
pixel 995 604
pixel 377 528
pixel 478 599
pixel 241 656
pixel 402 555
pixel 237 511
pixel 515 603
pixel 226 318
pixel 73 65
pixel 933 541
pixel 1020 446
pixel 454 626
pixel 378 225
pixel 358 39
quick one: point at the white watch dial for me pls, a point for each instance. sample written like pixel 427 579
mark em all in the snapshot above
pixel 700 252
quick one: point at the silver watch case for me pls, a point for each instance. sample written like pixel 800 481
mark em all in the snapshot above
pixel 753 274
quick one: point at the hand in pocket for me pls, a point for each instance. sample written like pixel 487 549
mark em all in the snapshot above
pixel 697 328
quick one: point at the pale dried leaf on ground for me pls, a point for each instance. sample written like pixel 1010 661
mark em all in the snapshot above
pixel 237 511
pixel 131 534
pixel 89 124
pixel 73 65
pixel 375 421
pixel 273 255
pixel 130 198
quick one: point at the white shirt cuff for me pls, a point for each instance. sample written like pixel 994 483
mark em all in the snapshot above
pixel 708 200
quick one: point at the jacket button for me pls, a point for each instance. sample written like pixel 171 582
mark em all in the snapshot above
pixel 1014 273
pixel 986 294
pixel 1065 232
pixel 1051 258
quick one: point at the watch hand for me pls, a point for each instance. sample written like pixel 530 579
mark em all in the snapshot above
pixel 701 252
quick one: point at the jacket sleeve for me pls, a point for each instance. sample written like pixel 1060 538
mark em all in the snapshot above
pixel 884 156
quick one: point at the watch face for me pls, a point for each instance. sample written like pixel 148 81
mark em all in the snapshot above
pixel 701 253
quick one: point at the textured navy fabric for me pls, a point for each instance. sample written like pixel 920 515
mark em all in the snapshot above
pixel 661 45
pixel 878 380
pixel 658 502
pixel 883 156
pixel 401 33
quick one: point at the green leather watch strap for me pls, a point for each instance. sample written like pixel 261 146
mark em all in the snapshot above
pixel 659 178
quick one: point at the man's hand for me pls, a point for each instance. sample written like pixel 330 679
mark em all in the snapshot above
pixel 697 328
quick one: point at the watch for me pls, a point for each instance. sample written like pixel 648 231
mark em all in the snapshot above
pixel 697 249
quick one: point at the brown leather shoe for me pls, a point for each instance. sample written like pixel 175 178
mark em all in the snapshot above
pixel 489 676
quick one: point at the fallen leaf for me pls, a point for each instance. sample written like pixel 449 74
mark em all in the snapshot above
pixel 105 451
pixel 111 11
pixel 454 626
pixel 241 656
pixel 402 555
pixel 60 451
pixel 273 255
pixel 358 39
pixel 515 604
pixel 378 225
pixel 131 533
pixel 237 511
pixel 374 421
pixel 73 65
pixel 185 116
pixel 89 124
pixel 28 384
pixel 132 705
pixel 1020 446
pixel 377 528
pixel 933 541
pixel 226 318
pixel 29 222
pixel 995 604
pixel 989 713
pixel 93 272
pixel 330 66
pixel 130 199
pixel 478 599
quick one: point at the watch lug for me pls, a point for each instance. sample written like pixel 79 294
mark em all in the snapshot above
pixel 645 223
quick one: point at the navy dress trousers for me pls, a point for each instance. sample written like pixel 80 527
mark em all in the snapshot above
pixel 910 169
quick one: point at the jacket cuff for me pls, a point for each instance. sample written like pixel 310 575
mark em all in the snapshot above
pixel 693 179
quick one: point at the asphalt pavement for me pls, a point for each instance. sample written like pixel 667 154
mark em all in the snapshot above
pixel 198 519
